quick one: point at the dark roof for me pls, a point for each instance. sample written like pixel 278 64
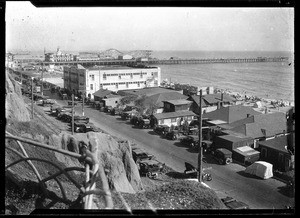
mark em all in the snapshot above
pixel 231 113
pixel 210 99
pixel 148 91
pixel 101 93
pixel 272 124
pixel 174 114
pixel 234 138
pixel 157 99
pixel 277 143
pixel 178 101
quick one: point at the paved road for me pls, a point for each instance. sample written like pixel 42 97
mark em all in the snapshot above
pixel 227 180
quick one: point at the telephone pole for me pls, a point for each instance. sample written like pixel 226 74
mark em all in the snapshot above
pixel 31 97
pixel 42 88
pixel 200 139
pixel 72 114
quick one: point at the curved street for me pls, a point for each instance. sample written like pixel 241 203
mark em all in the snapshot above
pixel 227 180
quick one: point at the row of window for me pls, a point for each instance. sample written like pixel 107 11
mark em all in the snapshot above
pixel 173 120
pixel 122 83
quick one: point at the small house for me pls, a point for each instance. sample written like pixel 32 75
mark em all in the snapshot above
pixel 276 151
pixel 177 118
pixel 177 105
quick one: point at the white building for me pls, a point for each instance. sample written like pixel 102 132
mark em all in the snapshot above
pixel 90 80
pixel 125 57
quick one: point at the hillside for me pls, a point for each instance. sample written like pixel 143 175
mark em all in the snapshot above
pixel 23 194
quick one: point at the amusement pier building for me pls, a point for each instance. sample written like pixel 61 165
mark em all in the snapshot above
pixel 81 80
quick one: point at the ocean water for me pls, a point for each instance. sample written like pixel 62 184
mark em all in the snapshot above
pixel 273 80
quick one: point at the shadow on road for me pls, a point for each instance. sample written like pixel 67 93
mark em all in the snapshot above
pixel 242 173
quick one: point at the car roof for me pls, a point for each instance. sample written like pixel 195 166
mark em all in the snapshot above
pixel 224 150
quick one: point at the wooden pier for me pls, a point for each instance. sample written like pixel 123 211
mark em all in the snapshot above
pixel 170 61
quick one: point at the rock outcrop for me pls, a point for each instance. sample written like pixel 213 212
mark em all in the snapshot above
pixel 116 157
pixel 15 108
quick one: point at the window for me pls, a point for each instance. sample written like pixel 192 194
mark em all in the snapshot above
pixel 120 77
pixel 91 86
pixel 93 77
pixel 104 76
pixel 116 85
pixel 131 75
pixel 138 84
pixel 141 75
pixel 173 120
pixel 162 121
pixel 189 118
pixel 127 85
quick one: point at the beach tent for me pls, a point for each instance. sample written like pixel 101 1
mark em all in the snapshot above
pixel 258 104
pixel 261 169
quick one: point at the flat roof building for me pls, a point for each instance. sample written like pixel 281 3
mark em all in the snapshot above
pixel 113 78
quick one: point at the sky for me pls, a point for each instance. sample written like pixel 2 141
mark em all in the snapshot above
pixel 153 28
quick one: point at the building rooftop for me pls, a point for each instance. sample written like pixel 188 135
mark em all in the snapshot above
pixel 101 93
pixel 278 143
pixel 174 114
pixel 210 99
pixel 178 101
pixel 231 114
pixel 235 138
pixel 158 99
pixel 261 125
pixel 150 91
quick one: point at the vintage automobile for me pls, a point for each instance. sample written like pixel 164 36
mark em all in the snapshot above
pixel 108 109
pixel 150 168
pixel 139 154
pixel 174 135
pixel 144 123
pixel 222 155
pixel 70 103
pixel 146 163
pixel 81 119
pixel 190 140
pixel 85 127
pixel 47 102
pixel 192 172
pixel 207 146
pixel 233 204
pixel 115 111
pixel 161 129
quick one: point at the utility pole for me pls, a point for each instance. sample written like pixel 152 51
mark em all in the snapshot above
pixel 200 139
pixel 42 78
pixel 31 97
pixel 72 114
pixel 83 104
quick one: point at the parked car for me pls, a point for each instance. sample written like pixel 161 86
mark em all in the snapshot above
pixel 207 146
pixel 190 140
pixel 139 154
pixel 48 102
pixel 161 129
pixel 85 127
pixel 81 119
pixel 108 109
pixel 222 155
pixel 70 103
pixel 144 123
pixel 150 168
pixel 233 204
pixel 174 135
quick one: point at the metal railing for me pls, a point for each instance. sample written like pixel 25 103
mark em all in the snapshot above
pixel 89 188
